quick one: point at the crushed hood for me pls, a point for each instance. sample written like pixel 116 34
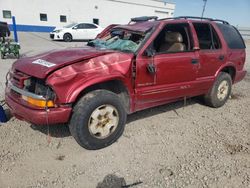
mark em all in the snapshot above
pixel 43 64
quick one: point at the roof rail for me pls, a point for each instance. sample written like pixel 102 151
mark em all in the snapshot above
pixel 202 18
pixel 198 18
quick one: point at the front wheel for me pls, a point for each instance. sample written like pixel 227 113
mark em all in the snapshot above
pixel 67 37
pixel 98 119
pixel 220 92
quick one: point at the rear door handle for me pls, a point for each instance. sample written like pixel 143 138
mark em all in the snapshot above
pixel 221 57
pixel 195 61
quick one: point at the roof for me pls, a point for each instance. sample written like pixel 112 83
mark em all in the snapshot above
pixel 141 25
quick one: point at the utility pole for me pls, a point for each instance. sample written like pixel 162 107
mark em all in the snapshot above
pixel 204 8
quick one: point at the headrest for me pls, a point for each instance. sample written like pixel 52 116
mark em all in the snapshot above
pixel 173 37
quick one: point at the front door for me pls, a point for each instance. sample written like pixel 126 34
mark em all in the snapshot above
pixel 170 73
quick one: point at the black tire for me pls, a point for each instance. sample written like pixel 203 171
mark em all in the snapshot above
pixel 17 55
pixel 2 55
pixel 67 37
pixel 212 99
pixel 82 117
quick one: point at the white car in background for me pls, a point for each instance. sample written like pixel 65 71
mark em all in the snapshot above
pixel 76 31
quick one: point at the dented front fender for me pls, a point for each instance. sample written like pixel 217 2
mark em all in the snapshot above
pixel 70 81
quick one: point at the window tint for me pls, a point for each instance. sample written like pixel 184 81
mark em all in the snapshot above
pixel 63 18
pixel 6 14
pixel 207 36
pixel 80 26
pixel 86 26
pixel 232 36
pixel 89 26
pixel 43 17
pixel 174 38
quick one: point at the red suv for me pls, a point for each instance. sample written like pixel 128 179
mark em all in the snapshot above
pixel 128 68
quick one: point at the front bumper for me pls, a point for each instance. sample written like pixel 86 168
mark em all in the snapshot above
pixel 22 111
pixel 56 36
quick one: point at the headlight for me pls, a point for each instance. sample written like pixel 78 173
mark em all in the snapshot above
pixel 57 31
pixel 39 88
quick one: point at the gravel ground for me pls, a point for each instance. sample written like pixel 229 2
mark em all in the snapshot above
pixel 168 146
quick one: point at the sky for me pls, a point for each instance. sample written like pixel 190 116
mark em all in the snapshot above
pixel 236 12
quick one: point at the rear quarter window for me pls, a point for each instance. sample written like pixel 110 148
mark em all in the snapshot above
pixel 232 36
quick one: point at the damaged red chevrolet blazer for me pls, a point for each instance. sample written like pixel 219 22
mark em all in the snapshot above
pixel 128 68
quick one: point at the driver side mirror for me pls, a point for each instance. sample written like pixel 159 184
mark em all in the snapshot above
pixel 149 52
pixel 75 27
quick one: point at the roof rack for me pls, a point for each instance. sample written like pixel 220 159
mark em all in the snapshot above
pixel 198 18
pixel 143 19
pixel 148 18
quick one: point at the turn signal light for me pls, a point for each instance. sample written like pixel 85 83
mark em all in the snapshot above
pixel 38 102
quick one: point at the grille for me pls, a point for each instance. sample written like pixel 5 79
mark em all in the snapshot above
pixel 18 78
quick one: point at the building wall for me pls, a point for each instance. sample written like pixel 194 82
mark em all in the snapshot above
pixel 27 12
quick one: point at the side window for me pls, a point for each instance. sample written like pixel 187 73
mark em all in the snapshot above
pixel 174 38
pixel 89 26
pixel 207 36
pixel 80 26
pixel 232 36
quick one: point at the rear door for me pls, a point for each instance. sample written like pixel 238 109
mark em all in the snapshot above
pixel 212 53
pixel 79 32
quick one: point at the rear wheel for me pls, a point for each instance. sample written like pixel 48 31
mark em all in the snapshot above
pixel 67 37
pixel 220 92
pixel 98 119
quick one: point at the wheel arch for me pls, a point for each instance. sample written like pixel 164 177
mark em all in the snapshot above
pixel 115 85
pixel 68 33
pixel 228 68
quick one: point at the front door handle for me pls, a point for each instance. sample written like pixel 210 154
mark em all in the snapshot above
pixel 151 68
pixel 195 61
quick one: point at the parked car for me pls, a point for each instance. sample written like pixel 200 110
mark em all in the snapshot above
pixel 76 31
pixel 134 67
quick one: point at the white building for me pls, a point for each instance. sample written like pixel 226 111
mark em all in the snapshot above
pixel 44 15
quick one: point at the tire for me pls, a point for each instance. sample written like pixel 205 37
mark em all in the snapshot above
pixel 2 55
pixel 67 37
pixel 98 119
pixel 220 92
pixel 17 55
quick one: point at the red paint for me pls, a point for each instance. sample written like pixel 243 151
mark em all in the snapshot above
pixel 176 77
pixel 37 116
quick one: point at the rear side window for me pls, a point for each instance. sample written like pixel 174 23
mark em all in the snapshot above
pixel 90 26
pixel 207 36
pixel 232 36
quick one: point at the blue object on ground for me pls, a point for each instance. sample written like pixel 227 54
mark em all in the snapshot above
pixel 14 28
pixel 3 117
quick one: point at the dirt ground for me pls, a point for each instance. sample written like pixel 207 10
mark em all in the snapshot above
pixel 168 146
